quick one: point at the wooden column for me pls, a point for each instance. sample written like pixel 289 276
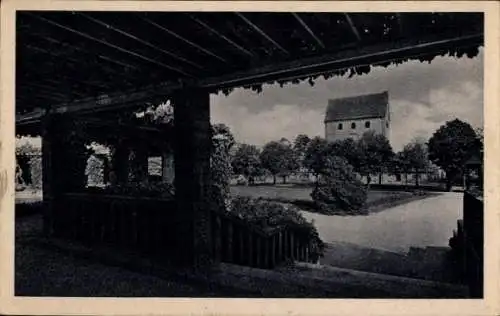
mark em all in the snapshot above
pixel 63 167
pixel 120 163
pixel 48 177
pixel 192 164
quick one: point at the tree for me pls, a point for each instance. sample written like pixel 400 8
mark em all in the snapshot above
pixel 246 161
pixel 279 158
pixel 415 158
pixel 316 155
pixel 375 154
pixel 300 146
pixel 451 146
pixel 347 149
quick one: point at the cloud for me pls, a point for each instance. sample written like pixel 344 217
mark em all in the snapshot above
pixel 422 97
pixel 270 124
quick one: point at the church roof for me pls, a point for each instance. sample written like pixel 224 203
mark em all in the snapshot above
pixel 358 107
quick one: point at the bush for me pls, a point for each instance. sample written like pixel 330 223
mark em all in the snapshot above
pixel 153 190
pixel 267 215
pixel 339 189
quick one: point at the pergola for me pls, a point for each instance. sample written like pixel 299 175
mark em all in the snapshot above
pixel 95 66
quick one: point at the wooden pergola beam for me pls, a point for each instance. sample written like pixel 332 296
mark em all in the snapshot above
pixel 82 50
pixel 296 69
pixel 262 33
pixel 225 38
pixel 185 40
pixel 353 27
pixel 350 58
pixel 308 29
pixel 140 40
pixel 121 49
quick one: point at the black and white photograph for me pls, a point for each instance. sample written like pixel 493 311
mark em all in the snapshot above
pixel 249 154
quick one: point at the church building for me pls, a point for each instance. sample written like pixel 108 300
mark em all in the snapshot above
pixel 351 117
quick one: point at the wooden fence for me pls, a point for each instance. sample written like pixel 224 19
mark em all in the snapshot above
pixel 145 224
pixel 134 223
pixel 236 241
pixel 473 242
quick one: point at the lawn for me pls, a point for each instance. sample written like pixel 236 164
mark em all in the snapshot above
pixel 377 200
pixel 281 192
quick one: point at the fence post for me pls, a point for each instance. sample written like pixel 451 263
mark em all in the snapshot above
pixel 229 241
pixel 258 251
pixel 250 248
pixel 217 239
pixel 273 249
pixel 280 246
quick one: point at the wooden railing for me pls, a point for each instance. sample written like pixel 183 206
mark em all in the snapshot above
pixel 125 222
pixel 473 242
pixel 145 224
pixel 236 241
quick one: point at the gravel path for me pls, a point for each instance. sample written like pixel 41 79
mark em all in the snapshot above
pixel 421 223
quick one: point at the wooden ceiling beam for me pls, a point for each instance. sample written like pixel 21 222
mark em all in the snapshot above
pixel 353 27
pixel 262 33
pixel 79 49
pixel 103 42
pixel 327 63
pixel 131 36
pixel 222 36
pixel 373 54
pixel 308 29
pixel 185 40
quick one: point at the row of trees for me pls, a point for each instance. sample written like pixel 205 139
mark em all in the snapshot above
pixel 448 148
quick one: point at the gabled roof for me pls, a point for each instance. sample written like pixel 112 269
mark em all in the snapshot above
pixel 358 107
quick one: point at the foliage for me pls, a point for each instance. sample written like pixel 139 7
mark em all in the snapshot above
pixel 301 143
pixel 268 215
pixel 220 165
pixel 339 189
pixel 414 157
pixel 279 158
pixel 94 170
pixel 451 146
pixel 375 154
pixel 246 161
pixel 457 51
pixel 347 149
pixel 316 155
pixel 28 158
pixel 138 189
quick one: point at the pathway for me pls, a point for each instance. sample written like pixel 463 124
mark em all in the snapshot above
pixel 422 223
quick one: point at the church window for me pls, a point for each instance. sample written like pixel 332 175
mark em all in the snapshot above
pixel 340 126
pixel 353 125
pixel 367 124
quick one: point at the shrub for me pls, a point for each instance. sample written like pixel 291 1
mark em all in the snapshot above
pixel 339 189
pixel 153 190
pixel 267 215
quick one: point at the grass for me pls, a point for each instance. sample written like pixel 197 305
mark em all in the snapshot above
pixel 377 200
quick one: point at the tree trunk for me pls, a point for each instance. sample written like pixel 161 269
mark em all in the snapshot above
pixel 416 178
pixel 284 179
pixel 380 178
pixel 368 181
pixel 274 179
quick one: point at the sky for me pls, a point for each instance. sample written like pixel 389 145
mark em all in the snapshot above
pixel 422 97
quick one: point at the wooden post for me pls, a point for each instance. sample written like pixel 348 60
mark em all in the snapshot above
pixel 217 229
pixel 250 248
pixel 229 245
pixel 273 250
pixel 192 169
